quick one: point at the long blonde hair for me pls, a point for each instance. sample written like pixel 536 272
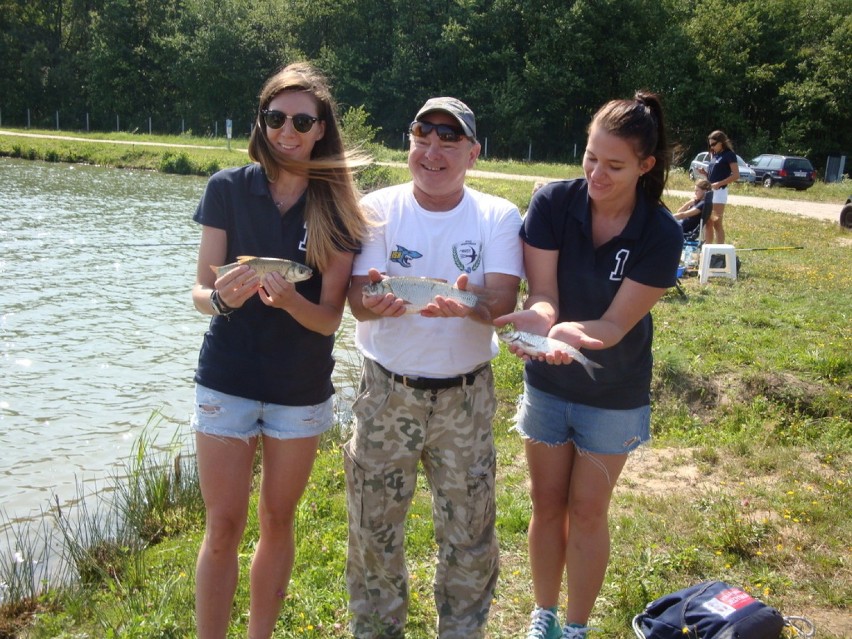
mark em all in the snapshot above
pixel 333 215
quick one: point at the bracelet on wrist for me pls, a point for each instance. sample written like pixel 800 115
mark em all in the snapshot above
pixel 219 307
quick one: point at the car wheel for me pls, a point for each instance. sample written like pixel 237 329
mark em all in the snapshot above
pixel 767 182
pixel 846 217
pixel 691 174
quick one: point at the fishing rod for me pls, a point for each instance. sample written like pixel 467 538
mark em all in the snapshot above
pixel 772 248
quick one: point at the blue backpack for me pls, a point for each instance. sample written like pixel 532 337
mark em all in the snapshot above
pixel 710 610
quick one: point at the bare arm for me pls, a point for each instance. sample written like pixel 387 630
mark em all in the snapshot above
pixel 684 212
pixel 632 302
pixel 324 317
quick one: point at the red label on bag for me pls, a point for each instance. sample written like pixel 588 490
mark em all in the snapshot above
pixel 735 598
pixel 728 602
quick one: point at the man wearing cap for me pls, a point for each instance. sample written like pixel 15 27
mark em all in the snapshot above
pixel 427 392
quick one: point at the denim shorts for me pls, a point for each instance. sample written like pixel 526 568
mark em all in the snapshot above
pixel 545 418
pixel 222 415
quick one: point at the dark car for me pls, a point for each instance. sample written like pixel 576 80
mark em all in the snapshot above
pixel 846 214
pixel 784 170
pixel 703 160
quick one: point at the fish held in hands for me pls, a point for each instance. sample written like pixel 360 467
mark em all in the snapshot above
pixel 291 271
pixel 538 345
pixel 418 292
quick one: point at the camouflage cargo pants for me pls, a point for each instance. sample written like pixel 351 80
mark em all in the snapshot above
pixel 449 431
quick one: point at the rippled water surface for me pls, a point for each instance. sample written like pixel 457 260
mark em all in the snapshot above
pixel 97 329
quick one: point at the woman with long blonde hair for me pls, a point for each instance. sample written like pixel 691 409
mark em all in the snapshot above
pixel 264 370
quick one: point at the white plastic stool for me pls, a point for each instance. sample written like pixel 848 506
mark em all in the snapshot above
pixel 707 253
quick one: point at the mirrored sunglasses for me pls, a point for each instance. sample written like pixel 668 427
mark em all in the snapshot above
pixel 446 132
pixel 302 122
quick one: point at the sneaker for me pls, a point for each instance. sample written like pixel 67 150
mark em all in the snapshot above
pixel 573 631
pixel 544 624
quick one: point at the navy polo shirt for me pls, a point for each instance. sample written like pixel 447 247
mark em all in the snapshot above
pixel 259 352
pixel 647 251
pixel 719 167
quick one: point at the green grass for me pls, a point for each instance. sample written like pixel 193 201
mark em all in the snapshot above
pixel 155 152
pixel 747 479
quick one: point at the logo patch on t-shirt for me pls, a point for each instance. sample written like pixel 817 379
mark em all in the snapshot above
pixel 467 255
pixel 403 256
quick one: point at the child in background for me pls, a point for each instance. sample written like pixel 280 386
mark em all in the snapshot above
pixel 689 215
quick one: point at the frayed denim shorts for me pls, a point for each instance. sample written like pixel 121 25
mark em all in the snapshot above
pixel 222 415
pixel 548 419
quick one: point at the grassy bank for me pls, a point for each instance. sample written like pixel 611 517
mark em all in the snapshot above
pixel 204 156
pixel 747 479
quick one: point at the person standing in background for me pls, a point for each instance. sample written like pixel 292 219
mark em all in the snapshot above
pixel 722 170
pixel 598 253
pixel 264 370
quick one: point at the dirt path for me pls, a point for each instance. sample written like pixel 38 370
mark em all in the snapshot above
pixel 816 210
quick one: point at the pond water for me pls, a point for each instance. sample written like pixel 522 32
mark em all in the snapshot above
pixel 98 334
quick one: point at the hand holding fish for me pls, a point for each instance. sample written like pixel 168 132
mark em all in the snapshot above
pixel 396 296
pixel 384 304
pixel 237 285
pixel 446 306
pixel 277 291
pixel 551 349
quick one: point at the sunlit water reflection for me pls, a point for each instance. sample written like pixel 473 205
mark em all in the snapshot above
pixel 97 329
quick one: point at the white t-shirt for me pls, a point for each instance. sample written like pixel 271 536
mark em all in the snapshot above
pixel 478 236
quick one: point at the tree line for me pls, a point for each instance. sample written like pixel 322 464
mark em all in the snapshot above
pixel 775 75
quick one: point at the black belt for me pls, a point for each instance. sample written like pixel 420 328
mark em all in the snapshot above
pixel 432 383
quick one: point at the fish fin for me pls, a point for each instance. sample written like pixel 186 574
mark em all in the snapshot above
pixel 590 367
pixel 242 259
pixel 215 269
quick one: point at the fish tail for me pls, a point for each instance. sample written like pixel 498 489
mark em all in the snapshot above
pixel 590 367
pixel 483 311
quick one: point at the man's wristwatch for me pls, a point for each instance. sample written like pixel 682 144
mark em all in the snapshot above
pixel 219 307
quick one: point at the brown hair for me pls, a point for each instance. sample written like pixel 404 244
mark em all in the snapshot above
pixel 703 184
pixel 640 121
pixel 333 214
pixel 720 136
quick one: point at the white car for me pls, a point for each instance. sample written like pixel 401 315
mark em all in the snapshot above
pixel 747 175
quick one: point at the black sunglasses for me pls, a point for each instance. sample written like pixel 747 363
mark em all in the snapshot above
pixel 446 132
pixel 302 122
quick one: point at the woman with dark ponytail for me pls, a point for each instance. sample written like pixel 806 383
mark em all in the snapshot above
pixel 599 252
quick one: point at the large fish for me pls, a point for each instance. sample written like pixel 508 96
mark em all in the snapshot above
pixel 419 291
pixel 291 271
pixel 537 345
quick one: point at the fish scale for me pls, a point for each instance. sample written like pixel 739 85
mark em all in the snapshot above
pixel 291 271
pixel 538 345
pixel 418 292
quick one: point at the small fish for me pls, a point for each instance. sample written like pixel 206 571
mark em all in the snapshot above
pixel 537 345
pixel 419 291
pixel 291 271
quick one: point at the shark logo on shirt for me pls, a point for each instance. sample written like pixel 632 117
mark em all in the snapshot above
pixel 403 256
